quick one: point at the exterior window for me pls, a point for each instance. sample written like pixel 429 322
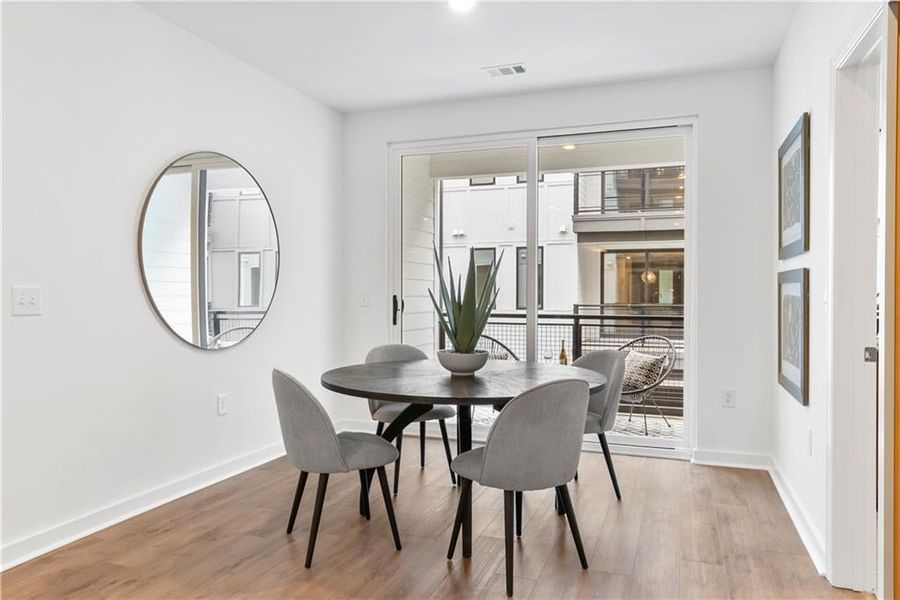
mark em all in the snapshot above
pixel 521 276
pixel 484 257
pixel 643 277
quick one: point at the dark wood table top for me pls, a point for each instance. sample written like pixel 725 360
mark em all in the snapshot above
pixel 427 382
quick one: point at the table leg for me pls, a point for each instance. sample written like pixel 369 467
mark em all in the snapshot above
pixel 409 415
pixel 464 437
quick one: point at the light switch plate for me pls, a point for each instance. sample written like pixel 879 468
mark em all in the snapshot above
pixel 26 300
pixel 221 405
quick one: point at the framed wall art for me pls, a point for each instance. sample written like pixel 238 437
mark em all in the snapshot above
pixel 793 333
pixel 793 191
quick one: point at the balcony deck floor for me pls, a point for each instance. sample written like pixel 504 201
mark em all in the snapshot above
pixel 656 426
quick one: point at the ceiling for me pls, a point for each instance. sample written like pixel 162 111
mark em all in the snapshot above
pixel 359 56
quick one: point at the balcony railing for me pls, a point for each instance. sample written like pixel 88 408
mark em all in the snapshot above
pixel 230 327
pixel 655 189
pixel 596 327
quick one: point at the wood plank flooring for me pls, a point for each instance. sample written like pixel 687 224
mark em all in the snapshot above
pixel 681 531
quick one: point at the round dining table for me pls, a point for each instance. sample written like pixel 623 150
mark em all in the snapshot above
pixel 424 383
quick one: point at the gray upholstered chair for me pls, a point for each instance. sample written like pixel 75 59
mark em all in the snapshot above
pixel 313 447
pixel 385 412
pixel 604 405
pixel 534 444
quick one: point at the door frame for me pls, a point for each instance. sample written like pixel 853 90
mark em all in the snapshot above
pixel 856 468
pixel 530 140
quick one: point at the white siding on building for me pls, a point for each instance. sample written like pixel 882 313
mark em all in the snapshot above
pixel 418 258
pixel 166 250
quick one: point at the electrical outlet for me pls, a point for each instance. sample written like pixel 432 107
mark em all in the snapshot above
pixel 364 300
pixel 728 398
pixel 221 405
pixel 26 300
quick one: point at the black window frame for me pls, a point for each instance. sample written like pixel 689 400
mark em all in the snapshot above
pixel 475 250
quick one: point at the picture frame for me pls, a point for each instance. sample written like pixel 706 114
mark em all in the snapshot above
pixel 793 333
pixel 793 191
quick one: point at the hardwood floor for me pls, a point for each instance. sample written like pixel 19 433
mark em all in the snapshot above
pixel 681 531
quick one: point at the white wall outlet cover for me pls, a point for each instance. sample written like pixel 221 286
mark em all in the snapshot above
pixel 26 300
pixel 222 405
pixel 728 398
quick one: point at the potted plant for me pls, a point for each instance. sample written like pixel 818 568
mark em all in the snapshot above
pixel 467 312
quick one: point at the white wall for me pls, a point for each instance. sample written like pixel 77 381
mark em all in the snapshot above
pixel 735 232
pixel 104 410
pixel 802 83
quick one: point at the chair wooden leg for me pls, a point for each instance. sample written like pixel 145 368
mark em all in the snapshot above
pixel 298 495
pixel 397 464
pixel 518 514
pixel 573 524
pixel 644 410
pixel 609 464
pixel 422 444
pixel 446 439
pixel 317 517
pixel 465 485
pixel 508 536
pixel 560 507
pixel 630 411
pixel 364 487
pixel 389 506
pixel 379 429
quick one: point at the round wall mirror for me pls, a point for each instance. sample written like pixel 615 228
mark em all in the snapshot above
pixel 208 250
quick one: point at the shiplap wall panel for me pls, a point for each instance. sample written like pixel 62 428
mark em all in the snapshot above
pixel 166 250
pixel 418 238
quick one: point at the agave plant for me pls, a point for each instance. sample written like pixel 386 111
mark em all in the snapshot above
pixel 467 309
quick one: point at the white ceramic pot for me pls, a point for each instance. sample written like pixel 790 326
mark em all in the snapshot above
pixel 460 364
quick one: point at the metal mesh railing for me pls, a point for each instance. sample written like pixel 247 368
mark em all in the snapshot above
pixel 597 327
pixel 229 328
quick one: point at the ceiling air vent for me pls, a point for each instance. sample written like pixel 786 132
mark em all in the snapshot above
pixel 504 70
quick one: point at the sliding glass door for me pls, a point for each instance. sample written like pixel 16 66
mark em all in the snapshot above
pixel 590 232
pixel 611 210
pixel 463 204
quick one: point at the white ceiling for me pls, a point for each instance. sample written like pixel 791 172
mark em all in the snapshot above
pixel 358 56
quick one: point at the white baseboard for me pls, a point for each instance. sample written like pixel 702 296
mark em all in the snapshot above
pixel 809 535
pixel 25 549
pixel 739 460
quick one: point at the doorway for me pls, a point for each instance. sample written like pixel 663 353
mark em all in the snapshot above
pixel 857 295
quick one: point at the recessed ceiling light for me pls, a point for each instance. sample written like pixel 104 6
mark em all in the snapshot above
pixel 461 6
pixel 569 147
